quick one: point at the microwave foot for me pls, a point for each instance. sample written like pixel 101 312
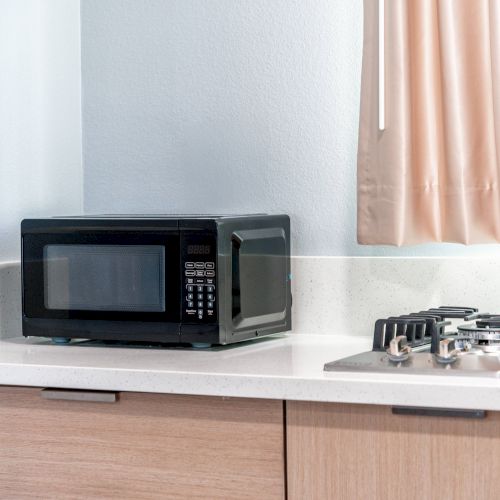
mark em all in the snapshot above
pixel 61 340
pixel 200 345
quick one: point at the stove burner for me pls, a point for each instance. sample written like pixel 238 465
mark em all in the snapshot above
pixel 485 333
pixel 479 332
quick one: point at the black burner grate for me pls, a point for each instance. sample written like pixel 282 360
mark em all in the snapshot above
pixel 421 328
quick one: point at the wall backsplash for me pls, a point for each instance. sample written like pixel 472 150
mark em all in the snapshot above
pixel 10 299
pixel 345 295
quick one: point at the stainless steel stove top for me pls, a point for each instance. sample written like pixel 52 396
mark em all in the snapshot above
pixel 420 343
pixel 471 364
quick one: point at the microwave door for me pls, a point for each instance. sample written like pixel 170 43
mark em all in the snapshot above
pixel 260 278
pixel 126 278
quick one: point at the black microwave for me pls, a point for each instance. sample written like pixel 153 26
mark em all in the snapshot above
pixel 197 280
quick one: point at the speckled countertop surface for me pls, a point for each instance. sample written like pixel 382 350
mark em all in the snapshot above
pixel 279 367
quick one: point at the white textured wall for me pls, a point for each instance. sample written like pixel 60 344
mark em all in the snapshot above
pixel 224 105
pixel 40 116
pixel 229 106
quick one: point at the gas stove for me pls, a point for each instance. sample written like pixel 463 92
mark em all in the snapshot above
pixel 430 342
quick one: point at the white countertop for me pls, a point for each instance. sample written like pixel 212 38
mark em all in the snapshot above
pixel 278 367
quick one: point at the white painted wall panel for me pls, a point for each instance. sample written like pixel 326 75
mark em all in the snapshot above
pixel 40 114
pixel 224 106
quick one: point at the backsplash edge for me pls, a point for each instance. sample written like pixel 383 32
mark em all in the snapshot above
pixel 344 295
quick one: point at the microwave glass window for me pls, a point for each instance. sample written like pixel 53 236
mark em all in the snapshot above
pixel 105 277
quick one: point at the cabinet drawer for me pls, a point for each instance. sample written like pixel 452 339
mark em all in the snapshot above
pixel 360 451
pixel 141 446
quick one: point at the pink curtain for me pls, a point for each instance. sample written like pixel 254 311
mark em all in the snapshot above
pixel 433 173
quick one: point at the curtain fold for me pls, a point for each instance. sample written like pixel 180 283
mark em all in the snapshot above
pixel 433 174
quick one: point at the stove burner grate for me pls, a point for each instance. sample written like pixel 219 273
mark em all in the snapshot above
pixel 421 328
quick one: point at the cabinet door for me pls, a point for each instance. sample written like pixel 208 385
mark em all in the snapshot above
pixel 142 446
pixel 351 452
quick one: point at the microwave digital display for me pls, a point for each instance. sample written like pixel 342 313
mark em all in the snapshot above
pixel 198 249
pixel 105 277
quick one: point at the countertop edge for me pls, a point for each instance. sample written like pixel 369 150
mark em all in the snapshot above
pixel 421 391
pixel 286 367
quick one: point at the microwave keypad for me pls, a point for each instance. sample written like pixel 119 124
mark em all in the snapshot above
pixel 200 290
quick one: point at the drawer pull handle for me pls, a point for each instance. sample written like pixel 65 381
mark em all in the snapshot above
pixel 437 412
pixel 80 395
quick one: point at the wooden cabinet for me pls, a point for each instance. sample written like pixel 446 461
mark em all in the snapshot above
pixel 337 451
pixel 168 446
pixel 142 446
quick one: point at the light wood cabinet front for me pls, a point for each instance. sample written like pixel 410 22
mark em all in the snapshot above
pixel 143 446
pixel 350 452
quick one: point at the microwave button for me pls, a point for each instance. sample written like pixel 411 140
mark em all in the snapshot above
pixel 200 313
pixel 210 281
pixel 190 304
pixel 199 288
pixel 200 296
pixel 189 280
pixel 210 297
pixel 200 281
pixel 210 288
pixel 199 265
pixel 189 265
pixel 190 273
pixel 210 305
pixel 190 296
pixel 209 265
pixel 210 274
pixel 190 288
pixel 200 273
pixel 200 303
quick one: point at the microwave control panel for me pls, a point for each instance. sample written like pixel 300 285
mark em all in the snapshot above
pixel 199 294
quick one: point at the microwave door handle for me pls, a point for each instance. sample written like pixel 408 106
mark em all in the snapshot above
pixel 236 242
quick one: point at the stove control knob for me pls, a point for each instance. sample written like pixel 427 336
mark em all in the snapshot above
pixel 448 352
pixel 398 350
